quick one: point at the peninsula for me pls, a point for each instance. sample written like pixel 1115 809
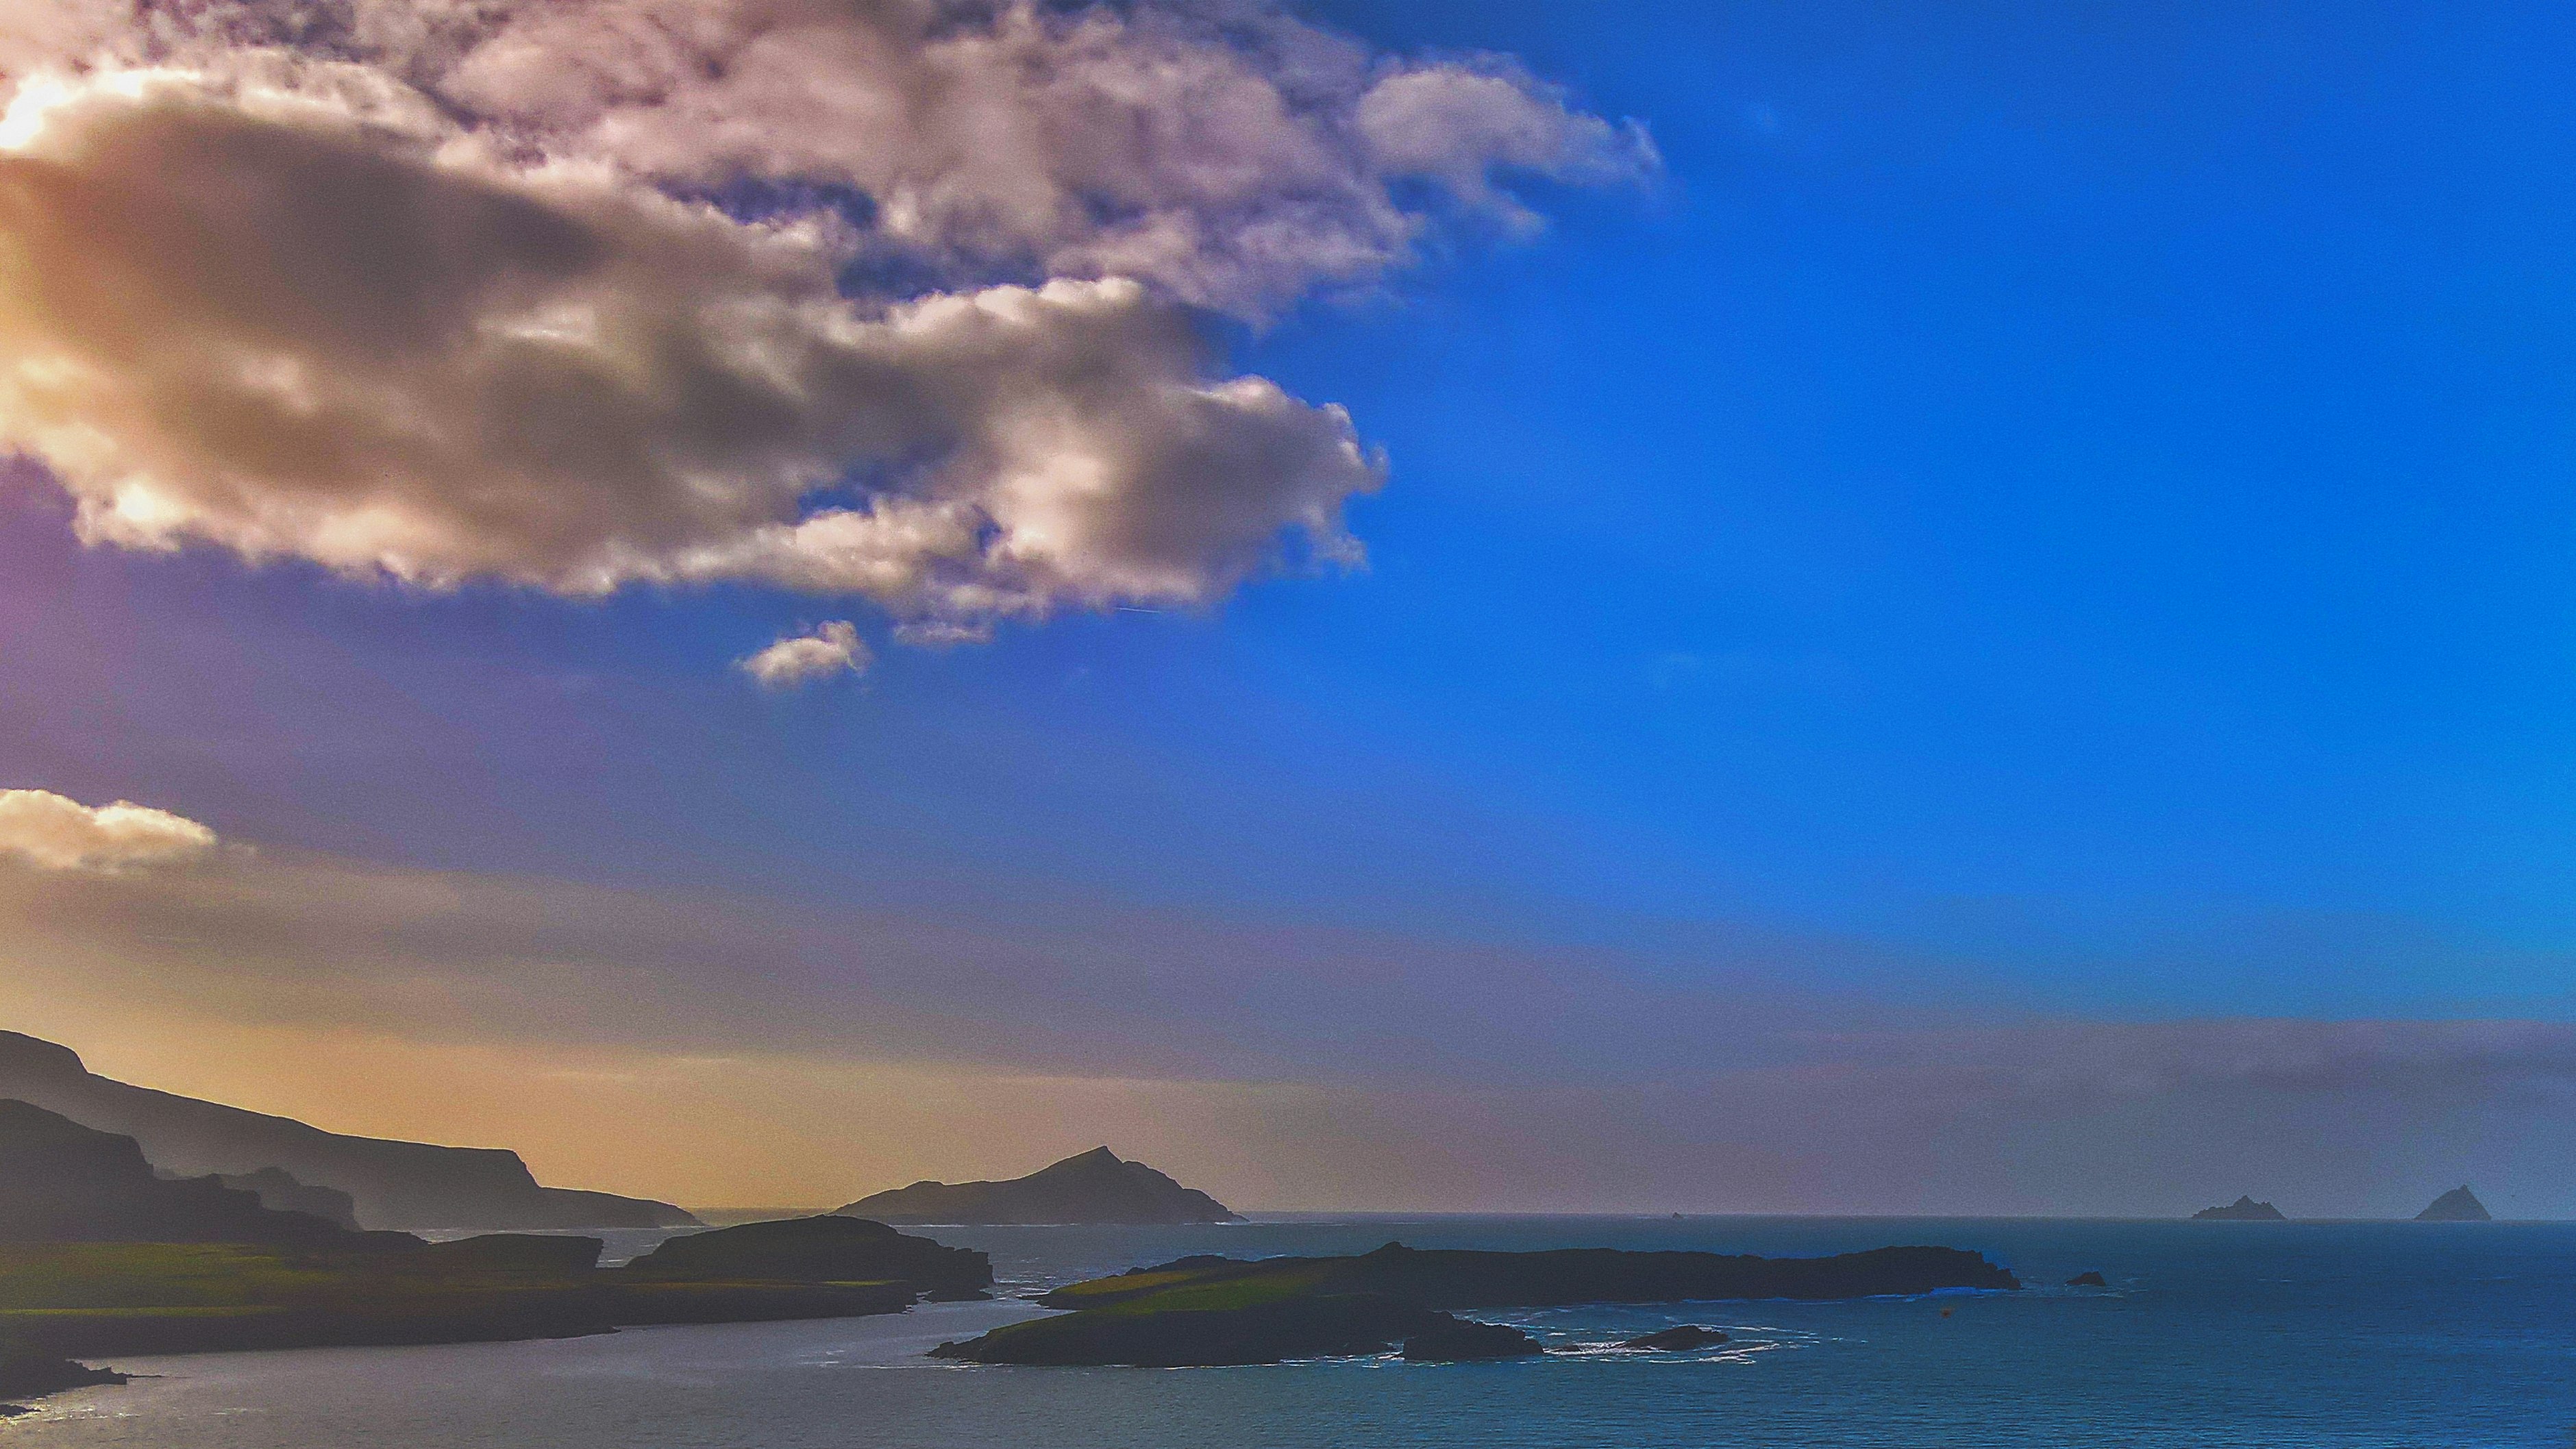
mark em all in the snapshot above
pixel 1092 1187
pixel 99 1255
pixel 1205 1311
pixel 388 1184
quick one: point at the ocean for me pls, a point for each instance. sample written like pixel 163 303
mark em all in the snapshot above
pixel 2210 1335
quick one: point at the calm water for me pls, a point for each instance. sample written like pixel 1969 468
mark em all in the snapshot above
pixel 2213 1335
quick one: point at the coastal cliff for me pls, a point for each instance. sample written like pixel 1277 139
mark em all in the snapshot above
pixel 391 1184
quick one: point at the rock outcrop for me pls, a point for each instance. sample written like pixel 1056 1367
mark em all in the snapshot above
pixel 2459 1205
pixel 26 1375
pixel 391 1184
pixel 1462 1341
pixel 1094 1187
pixel 1685 1338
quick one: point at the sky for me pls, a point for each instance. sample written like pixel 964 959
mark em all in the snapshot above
pixel 1817 607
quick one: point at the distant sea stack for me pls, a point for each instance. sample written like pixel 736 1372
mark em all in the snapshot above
pixel 1094 1187
pixel 2243 1210
pixel 389 1184
pixel 2459 1205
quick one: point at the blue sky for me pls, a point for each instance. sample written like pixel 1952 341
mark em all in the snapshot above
pixel 2053 512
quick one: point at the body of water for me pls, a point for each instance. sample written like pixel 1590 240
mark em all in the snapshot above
pixel 2211 1334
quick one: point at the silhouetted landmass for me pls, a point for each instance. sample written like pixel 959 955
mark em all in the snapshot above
pixel 278 1189
pixel 2243 1210
pixel 112 1298
pixel 100 1255
pixel 391 1184
pixel 2088 1280
pixel 2459 1205
pixel 1462 1341
pixel 1094 1187
pixel 830 1249
pixel 1211 1310
pixel 27 1375
pixel 61 1182
pixel 1685 1338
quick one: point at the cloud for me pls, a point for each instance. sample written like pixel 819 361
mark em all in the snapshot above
pixel 834 648
pixel 52 832
pixel 898 300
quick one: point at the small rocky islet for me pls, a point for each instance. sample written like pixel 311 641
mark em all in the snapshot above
pixel 2244 1210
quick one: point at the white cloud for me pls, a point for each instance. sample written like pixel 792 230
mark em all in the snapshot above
pixel 835 648
pixel 53 832
pixel 436 291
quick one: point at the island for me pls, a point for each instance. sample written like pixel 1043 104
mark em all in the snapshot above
pixel 1207 1311
pixel 2243 1210
pixel 1091 1187
pixel 390 1184
pixel 102 1256
pixel 2459 1205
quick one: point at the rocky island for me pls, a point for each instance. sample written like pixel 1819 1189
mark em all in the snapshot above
pixel 1092 1187
pixel 2244 1210
pixel 1206 1311
pixel 2459 1205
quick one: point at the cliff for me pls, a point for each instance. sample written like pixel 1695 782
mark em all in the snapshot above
pixel 391 1184
pixel 62 1182
pixel 278 1189
pixel 1094 1187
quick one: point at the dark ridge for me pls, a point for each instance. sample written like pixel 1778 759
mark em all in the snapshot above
pixel 1091 1187
pixel 2243 1210
pixel 63 1182
pixel 829 1249
pixel 1686 1338
pixel 390 1184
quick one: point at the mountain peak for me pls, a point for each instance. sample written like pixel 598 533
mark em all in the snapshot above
pixel 2459 1205
pixel 1097 1186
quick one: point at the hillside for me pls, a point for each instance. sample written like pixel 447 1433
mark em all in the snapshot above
pixel 1093 1187
pixel 391 1184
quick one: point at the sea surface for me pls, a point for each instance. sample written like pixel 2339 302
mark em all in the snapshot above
pixel 2212 1334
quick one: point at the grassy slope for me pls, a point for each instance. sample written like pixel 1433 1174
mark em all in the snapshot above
pixel 99 1298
